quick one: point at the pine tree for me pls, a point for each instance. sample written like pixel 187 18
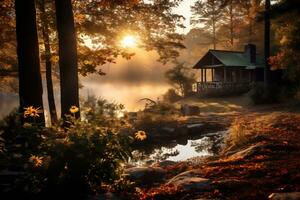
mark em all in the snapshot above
pixel 209 14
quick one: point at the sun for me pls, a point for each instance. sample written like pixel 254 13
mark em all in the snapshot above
pixel 129 41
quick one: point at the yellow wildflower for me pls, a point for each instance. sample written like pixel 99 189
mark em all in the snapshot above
pixel 140 135
pixel 74 109
pixel 36 160
pixel 32 112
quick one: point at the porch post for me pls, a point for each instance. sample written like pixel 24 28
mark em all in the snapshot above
pixel 225 75
pixel 249 75
pixel 205 75
pixel 201 75
pixel 212 74
pixel 241 75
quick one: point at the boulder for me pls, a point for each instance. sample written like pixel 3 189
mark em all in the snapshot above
pixel 106 196
pixel 194 129
pixel 285 196
pixel 189 181
pixel 146 175
pixel 245 153
pixel 182 141
pixel 189 110
pixel 164 163
pixel 232 185
pixel 169 129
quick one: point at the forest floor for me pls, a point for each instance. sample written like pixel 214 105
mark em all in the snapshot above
pixel 261 156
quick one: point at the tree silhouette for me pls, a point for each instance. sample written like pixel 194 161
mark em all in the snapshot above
pixel 67 56
pixel 30 83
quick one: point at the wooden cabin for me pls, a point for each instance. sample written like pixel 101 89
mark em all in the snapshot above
pixel 228 72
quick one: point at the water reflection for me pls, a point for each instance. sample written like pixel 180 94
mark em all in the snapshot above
pixel 207 145
pixel 127 94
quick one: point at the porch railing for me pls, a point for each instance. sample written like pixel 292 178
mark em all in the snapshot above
pixel 222 87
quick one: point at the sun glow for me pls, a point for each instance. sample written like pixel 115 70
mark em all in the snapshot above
pixel 129 41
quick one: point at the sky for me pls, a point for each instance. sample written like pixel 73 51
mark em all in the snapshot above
pixel 128 81
pixel 184 9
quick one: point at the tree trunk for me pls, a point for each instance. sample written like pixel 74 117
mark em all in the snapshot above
pixel 45 32
pixel 214 26
pixel 250 32
pixel 267 44
pixel 30 81
pixel 67 56
pixel 231 24
pixel 214 35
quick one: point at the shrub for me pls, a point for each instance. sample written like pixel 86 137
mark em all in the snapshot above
pixel 56 162
pixel 237 134
pixel 245 131
pixel 274 94
pixel 171 96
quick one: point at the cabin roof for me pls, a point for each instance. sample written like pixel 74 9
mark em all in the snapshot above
pixel 230 59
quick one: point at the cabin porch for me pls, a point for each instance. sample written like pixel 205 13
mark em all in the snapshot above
pixel 221 80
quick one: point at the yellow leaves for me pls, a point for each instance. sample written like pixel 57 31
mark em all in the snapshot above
pixel 284 40
pixel 140 135
pixel 54 59
pixel 32 112
pixel 87 62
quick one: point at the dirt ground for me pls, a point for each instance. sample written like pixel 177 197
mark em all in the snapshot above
pixel 262 157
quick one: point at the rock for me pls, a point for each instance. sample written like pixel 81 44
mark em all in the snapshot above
pixel 181 131
pixel 285 196
pixel 189 110
pixel 232 184
pixel 260 149
pixel 182 141
pixel 169 129
pixel 198 125
pixel 194 129
pixel 189 181
pixel 106 196
pixel 164 163
pixel 146 175
pixel 245 153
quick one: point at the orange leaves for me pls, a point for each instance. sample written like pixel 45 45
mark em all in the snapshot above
pixel 165 190
pixel 112 3
pixel 275 61
pixel 79 18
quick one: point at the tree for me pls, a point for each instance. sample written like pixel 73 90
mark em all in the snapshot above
pixel 231 22
pixel 267 44
pixel 250 9
pixel 30 82
pixel 284 13
pixel 45 33
pixel 180 77
pixel 8 54
pixel 208 13
pixel 67 56
pixel 106 22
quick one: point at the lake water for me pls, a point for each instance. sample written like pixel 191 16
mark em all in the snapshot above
pixel 129 95
pixel 206 145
